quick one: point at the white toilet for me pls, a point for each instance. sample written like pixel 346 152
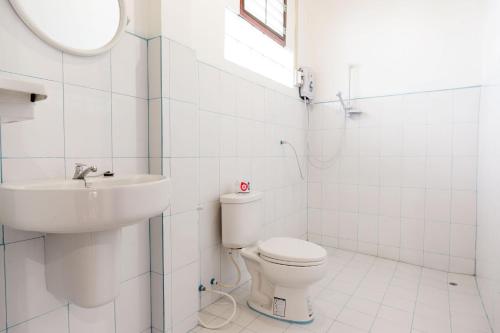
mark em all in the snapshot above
pixel 282 269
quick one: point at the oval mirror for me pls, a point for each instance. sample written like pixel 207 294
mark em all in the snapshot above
pixel 79 27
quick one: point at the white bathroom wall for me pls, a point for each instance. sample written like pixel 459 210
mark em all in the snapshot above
pixel 488 249
pixel 403 182
pixel 399 46
pixel 97 112
pixel 403 185
pixel 216 128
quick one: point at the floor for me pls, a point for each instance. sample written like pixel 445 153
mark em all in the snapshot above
pixel 363 293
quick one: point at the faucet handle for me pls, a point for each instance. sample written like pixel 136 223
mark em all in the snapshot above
pixel 78 169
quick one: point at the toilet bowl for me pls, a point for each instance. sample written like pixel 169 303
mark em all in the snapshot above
pixel 282 270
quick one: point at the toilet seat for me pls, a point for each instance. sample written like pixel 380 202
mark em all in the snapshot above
pixel 291 263
pixel 292 252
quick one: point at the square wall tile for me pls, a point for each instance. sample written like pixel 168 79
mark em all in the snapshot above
pixel 209 180
pixel 412 234
pixel 27 294
pixel 439 139
pixel 228 136
pixel 210 268
pixel 413 203
pixel 185 295
pixel 129 126
pixel 184 129
pixel 390 201
pixel 185 184
pixel 87 118
pixel 438 173
pixel 437 206
pixel 210 88
pixel 210 225
pixel 155 128
pixel 90 72
pixel 463 207
pixel 463 241
pixel 166 67
pixel 135 250
pixel 133 305
pixel 42 136
pixel 209 134
pixel 129 66
pixel 464 173
pixel 368 228
pixel 389 231
pixel 414 143
pixel 185 239
pixel 130 166
pixel 154 68
pixel 437 238
pixel 20 169
pixel 228 90
pixel 465 139
pixel 95 320
pixel 183 73
pixel 466 105
pixel 436 261
pixel 161 299
pixel 156 243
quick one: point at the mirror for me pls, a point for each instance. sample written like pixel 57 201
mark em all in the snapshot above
pixel 79 27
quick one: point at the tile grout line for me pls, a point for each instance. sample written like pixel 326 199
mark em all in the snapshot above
pixel 385 293
pixel 416 299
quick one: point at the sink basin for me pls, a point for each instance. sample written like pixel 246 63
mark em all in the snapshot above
pixel 83 222
pixel 73 206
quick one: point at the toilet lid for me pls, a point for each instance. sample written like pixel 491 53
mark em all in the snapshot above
pixel 292 250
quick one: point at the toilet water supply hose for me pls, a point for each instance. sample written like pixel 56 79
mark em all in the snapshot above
pixel 221 293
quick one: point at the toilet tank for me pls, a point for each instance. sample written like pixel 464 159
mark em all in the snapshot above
pixel 242 219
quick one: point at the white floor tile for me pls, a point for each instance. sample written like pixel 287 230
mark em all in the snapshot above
pixel 95 320
pixel 52 322
pixel 388 297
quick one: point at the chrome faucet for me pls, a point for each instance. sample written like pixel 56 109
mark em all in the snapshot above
pixel 81 171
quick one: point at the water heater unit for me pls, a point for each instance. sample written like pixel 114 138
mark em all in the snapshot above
pixel 305 82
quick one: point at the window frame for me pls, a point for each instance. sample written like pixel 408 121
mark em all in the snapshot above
pixel 264 28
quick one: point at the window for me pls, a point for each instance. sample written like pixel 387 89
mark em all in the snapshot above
pixel 269 16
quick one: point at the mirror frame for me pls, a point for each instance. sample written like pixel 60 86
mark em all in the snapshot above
pixel 74 51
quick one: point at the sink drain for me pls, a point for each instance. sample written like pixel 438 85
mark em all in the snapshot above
pixel 454 284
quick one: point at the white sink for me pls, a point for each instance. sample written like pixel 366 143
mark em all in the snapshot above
pixel 67 206
pixel 83 223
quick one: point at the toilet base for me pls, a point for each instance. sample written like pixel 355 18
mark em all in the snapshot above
pixel 289 305
pixel 270 315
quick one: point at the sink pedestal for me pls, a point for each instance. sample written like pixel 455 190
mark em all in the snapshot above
pixel 83 222
pixel 84 268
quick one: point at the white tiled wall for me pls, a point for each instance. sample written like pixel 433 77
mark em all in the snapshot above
pixel 403 182
pixel 216 128
pixel 97 112
pixel 488 269
pixel 488 228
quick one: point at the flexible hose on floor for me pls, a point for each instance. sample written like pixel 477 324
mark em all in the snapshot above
pixel 225 322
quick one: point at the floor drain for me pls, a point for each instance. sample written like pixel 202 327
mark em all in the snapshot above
pixel 454 284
